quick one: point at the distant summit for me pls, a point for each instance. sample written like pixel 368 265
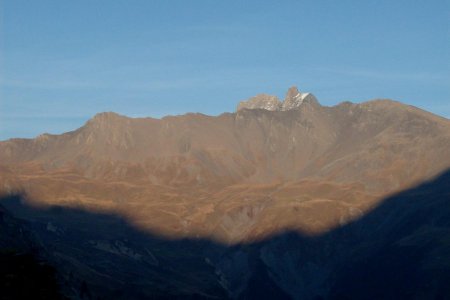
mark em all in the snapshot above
pixel 293 100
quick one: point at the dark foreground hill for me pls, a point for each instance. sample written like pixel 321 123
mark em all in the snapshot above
pixel 23 272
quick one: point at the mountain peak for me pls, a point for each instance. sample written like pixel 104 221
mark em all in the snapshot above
pixel 261 101
pixel 292 93
pixel 293 100
pixel 106 121
pixel 105 117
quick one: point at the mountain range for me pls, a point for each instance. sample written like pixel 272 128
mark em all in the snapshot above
pixel 290 195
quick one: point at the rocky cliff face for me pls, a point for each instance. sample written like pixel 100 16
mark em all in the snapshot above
pixel 261 101
pixel 293 100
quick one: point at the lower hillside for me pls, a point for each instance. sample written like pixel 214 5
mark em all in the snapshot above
pixel 398 250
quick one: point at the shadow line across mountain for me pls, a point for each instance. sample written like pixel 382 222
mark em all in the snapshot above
pixel 399 250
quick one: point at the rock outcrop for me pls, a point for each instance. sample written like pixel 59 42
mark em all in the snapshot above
pixel 293 100
pixel 261 101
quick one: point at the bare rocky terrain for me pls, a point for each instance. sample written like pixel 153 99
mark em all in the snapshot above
pixel 274 194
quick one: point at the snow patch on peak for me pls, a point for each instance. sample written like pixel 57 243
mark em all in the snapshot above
pixel 303 96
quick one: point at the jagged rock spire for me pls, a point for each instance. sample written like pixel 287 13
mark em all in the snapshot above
pixel 293 100
pixel 261 101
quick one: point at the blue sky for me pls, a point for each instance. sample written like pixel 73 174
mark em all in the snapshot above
pixel 61 62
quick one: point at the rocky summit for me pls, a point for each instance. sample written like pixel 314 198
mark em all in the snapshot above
pixel 293 100
pixel 278 200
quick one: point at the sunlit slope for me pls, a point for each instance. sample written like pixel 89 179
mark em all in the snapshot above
pixel 237 176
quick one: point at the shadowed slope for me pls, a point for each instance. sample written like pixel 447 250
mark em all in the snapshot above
pixel 399 250
pixel 23 275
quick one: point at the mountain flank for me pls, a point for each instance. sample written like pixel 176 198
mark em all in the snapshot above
pixel 278 200
pixel 230 177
